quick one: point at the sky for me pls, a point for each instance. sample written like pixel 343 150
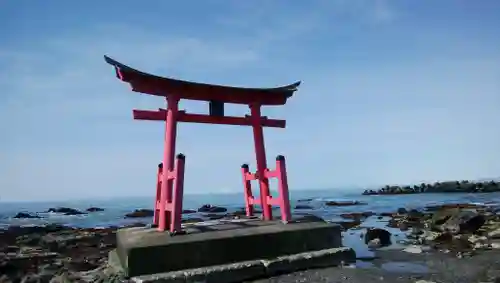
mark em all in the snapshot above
pixel 393 92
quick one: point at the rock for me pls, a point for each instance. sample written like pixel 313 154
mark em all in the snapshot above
pixel 94 209
pixel 65 211
pixel 212 209
pixel 305 200
pixel 188 211
pixel 26 215
pixel 343 203
pixel 377 233
pixel 303 206
pixel 138 213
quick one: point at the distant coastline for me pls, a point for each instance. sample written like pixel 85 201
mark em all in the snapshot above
pixel 464 186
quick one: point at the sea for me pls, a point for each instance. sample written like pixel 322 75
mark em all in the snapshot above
pixel 116 208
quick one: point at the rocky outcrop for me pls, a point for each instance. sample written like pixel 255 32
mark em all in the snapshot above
pixel 65 211
pixel 439 187
pixel 26 215
pixel 54 252
pixel 462 229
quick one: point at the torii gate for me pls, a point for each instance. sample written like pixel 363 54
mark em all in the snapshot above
pixel 168 203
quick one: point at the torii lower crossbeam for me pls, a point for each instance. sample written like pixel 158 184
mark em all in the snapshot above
pixel 168 203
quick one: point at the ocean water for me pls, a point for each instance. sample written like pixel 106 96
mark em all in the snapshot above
pixel 115 209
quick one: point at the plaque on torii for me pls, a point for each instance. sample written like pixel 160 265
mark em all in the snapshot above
pixel 170 175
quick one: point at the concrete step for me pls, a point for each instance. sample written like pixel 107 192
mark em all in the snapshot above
pixel 255 269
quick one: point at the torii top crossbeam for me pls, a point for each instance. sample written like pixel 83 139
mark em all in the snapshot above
pixel 162 86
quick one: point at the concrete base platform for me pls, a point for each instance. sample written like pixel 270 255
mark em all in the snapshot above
pixel 256 269
pixel 143 251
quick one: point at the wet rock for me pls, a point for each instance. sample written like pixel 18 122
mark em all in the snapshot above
pixel 303 206
pixel 212 209
pixel 188 211
pixel 305 200
pixel 65 211
pixel 95 209
pixel 26 215
pixel 344 203
pixel 376 233
pixel 138 213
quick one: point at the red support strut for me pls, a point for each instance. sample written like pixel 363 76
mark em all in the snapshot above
pixel 283 199
pixel 171 209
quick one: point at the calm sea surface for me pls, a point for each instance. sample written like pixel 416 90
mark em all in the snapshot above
pixel 116 208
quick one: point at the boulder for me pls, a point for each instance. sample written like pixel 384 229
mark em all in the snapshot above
pixel 376 233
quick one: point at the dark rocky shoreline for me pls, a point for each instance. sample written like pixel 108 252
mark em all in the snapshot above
pixel 439 187
pixel 56 253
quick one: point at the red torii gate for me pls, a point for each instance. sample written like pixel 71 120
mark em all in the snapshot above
pixel 168 203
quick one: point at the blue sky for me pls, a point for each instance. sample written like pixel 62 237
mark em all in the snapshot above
pixel 393 92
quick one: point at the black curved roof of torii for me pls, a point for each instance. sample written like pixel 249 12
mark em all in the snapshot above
pixel 163 86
